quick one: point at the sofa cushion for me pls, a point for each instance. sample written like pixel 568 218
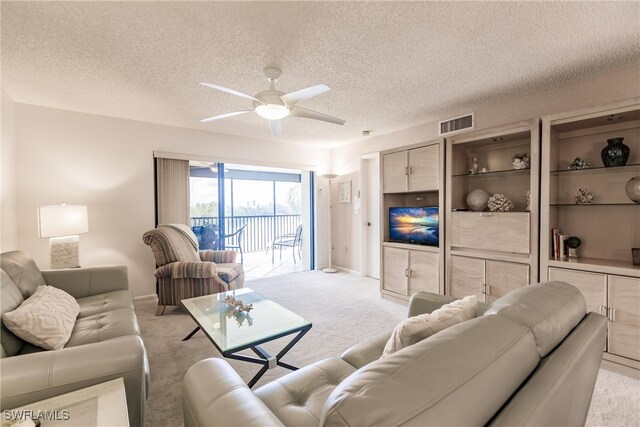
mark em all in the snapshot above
pixel 229 272
pixel 23 271
pixel 297 398
pixel 417 328
pixel 479 362
pixel 104 326
pixel 45 319
pixel 101 303
pixel 551 310
pixel 10 299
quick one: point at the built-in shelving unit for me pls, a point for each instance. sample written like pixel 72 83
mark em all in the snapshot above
pixel 608 227
pixel 412 177
pixel 491 253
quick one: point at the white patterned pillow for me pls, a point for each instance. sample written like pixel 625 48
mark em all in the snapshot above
pixel 417 328
pixel 45 319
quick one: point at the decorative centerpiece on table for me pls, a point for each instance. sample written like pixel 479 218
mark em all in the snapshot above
pixel 579 163
pixel 237 305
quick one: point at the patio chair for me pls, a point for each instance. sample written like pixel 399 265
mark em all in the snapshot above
pixel 291 240
pixel 235 239
pixel 183 271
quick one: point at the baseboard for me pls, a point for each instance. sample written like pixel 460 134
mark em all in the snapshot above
pixel 145 297
pixel 346 270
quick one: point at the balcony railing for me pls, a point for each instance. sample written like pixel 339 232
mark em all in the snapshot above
pixel 260 231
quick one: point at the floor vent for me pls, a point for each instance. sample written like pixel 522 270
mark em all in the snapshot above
pixel 457 124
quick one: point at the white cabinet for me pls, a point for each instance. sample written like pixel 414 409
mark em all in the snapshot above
pixel 618 298
pixel 412 170
pixel 485 278
pixel 409 271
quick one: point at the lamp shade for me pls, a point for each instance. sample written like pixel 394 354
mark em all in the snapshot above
pixel 62 220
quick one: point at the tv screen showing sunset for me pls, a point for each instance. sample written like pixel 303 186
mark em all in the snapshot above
pixel 414 225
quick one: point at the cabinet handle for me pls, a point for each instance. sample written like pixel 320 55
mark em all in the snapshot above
pixel 601 309
pixel 487 289
pixel 612 314
pixel 406 171
pixel 410 171
pixel 406 272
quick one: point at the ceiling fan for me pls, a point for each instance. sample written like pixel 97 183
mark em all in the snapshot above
pixel 275 105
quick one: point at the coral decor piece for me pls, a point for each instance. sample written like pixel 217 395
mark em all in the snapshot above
pixel 499 203
pixel 579 163
pixel 521 161
pixel 584 197
pixel 237 305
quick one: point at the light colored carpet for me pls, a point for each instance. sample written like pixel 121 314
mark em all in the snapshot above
pixel 345 309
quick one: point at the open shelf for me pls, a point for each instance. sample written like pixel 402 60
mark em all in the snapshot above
pixel 494 174
pixel 592 204
pixel 598 170
pixel 597 265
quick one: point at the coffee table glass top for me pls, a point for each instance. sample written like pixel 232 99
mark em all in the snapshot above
pixel 229 332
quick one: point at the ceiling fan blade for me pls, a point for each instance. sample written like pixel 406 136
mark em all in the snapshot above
pixel 225 115
pixel 231 91
pixel 308 114
pixel 293 98
pixel 276 127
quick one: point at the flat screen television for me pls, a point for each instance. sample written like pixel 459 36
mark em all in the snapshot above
pixel 414 225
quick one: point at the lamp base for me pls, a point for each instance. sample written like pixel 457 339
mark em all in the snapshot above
pixel 64 252
pixel 330 270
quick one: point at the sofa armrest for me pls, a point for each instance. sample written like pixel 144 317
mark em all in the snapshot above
pixel 33 377
pixel 213 394
pixel 84 282
pixel 221 257
pixel 367 351
pixel 187 270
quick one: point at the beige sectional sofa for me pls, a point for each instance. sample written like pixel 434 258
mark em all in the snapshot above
pixel 105 342
pixel 530 358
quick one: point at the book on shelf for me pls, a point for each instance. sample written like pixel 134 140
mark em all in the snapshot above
pixel 558 245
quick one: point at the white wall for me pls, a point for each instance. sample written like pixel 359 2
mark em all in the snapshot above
pixel 107 164
pixel 8 201
pixel 606 88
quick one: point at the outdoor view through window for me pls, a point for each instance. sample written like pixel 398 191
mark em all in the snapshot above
pixel 261 217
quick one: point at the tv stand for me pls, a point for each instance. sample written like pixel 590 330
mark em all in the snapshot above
pixel 412 176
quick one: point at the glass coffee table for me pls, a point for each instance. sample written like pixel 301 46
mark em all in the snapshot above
pixel 231 333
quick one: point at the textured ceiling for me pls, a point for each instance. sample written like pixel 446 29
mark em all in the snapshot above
pixel 390 65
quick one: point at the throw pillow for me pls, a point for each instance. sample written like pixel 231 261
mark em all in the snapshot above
pixel 417 328
pixel 45 319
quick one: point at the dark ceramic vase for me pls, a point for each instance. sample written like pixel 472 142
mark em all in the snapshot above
pixel 615 153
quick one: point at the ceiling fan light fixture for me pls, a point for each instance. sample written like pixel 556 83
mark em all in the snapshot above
pixel 272 111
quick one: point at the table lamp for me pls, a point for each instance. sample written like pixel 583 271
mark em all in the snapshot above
pixel 62 224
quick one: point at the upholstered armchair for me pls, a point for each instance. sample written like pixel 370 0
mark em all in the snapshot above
pixel 183 271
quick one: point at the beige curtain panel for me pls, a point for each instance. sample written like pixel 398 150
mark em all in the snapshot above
pixel 173 191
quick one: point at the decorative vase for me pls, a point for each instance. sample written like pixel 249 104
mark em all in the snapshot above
pixel 615 153
pixel 633 189
pixel 478 200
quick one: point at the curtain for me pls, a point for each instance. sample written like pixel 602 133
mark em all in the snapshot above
pixel 172 178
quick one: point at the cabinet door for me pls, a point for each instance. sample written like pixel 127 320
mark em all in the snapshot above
pixel 504 277
pixel 423 272
pixel 624 325
pixel 467 277
pixel 396 269
pixel 592 285
pixel 423 168
pixel 394 170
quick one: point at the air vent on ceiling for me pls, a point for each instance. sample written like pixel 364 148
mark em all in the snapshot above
pixel 457 124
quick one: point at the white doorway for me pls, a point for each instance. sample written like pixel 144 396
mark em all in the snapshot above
pixel 370 199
